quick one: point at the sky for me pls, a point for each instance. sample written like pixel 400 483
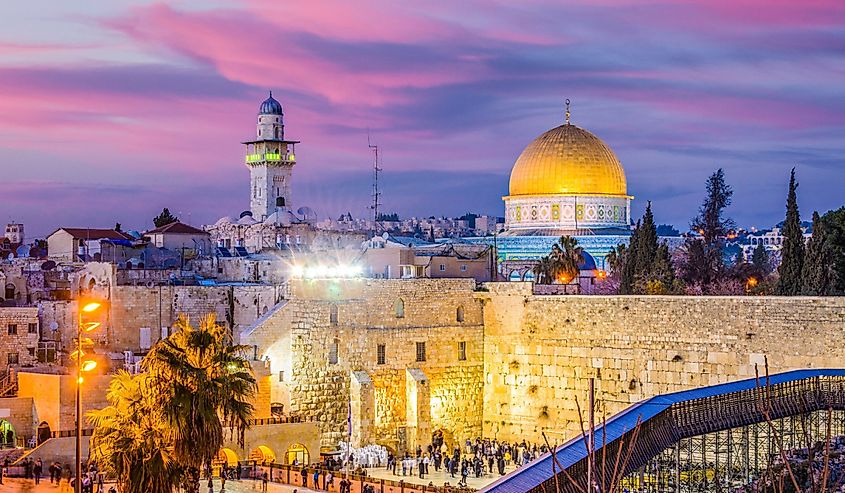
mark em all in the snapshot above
pixel 110 111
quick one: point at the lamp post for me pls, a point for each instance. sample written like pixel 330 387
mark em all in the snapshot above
pixel 82 366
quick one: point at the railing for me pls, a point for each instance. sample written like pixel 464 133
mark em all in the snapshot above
pixel 281 420
pixel 8 384
pixel 292 475
pixel 252 158
pixel 71 433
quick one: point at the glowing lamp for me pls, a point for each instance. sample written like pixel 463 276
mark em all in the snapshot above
pixel 90 307
pixel 89 365
pixel 89 326
pixel 77 354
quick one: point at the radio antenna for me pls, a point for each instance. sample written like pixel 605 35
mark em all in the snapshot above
pixel 376 170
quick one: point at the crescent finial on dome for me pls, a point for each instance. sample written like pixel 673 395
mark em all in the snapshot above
pixel 567 111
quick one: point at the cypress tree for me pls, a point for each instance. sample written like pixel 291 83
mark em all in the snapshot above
pixel 792 256
pixel 760 260
pixel 646 245
pixel 818 263
pixel 629 272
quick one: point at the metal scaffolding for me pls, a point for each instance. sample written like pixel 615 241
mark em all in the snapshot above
pixel 725 460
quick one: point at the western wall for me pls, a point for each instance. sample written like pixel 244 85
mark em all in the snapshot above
pixel 540 351
pixel 528 357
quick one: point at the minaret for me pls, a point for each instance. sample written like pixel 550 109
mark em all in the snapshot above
pixel 270 159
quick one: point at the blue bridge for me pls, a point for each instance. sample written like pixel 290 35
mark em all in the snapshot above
pixel 714 438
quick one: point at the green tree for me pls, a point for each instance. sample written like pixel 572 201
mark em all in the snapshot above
pixel 203 386
pixel 760 261
pixel 818 264
pixel 164 218
pixel 131 440
pixel 792 254
pixel 561 265
pixel 646 244
pixel 628 274
pixel 834 222
pixel 702 264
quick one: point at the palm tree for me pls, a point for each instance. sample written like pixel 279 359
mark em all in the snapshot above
pixel 570 257
pixel 561 264
pixel 203 385
pixel 131 441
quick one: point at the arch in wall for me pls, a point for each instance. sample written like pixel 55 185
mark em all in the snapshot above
pixel 7 434
pixel 399 308
pixel 262 454
pixel 10 291
pixel 226 456
pixel 297 453
pixel 92 284
pixel 459 314
pixel 43 433
pixel 333 314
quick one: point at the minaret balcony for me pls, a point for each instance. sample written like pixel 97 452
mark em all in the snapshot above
pixel 270 157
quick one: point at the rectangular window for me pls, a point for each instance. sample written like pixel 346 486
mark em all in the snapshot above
pixel 420 351
pixel 281 375
pixel 12 358
pixel 462 351
pixel 31 351
pixel 13 330
pixel 333 352
pixel 32 328
pixel 380 354
pixel 463 268
pixel 442 267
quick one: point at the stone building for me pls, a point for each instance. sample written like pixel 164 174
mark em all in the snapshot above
pixel 19 331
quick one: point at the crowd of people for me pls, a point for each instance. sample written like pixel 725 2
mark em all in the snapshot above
pixel 478 458
pixel 33 470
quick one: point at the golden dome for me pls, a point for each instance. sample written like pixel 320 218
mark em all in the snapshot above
pixel 567 160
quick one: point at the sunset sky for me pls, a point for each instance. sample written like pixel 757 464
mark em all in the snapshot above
pixel 110 111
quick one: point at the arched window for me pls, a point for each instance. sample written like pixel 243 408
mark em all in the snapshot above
pixel 459 315
pixel 333 314
pixel 399 308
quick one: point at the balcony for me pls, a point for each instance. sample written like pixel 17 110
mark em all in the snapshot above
pixel 270 157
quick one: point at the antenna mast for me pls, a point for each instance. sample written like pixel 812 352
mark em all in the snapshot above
pixel 376 193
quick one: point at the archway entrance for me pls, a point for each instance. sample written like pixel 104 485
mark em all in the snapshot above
pixel 7 434
pixel 43 433
pixel 262 455
pixel 297 454
pixel 226 456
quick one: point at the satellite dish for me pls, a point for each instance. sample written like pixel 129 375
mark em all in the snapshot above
pixel 54 326
pixel 385 235
pixel 48 265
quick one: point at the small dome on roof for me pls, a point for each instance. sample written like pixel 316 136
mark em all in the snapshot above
pixel 223 220
pixel 247 221
pixel 589 262
pixel 270 106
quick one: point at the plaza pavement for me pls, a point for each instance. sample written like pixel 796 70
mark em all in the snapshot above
pixel 17 485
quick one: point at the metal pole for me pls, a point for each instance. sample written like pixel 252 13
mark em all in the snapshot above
pixel 78 483
pixel 590 439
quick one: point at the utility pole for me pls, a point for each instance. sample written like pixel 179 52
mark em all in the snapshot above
pixel 376 193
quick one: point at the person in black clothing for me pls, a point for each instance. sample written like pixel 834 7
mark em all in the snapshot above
pixel 36 469
pixel 501 464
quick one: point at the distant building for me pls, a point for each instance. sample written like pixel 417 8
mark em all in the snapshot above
pixel 14 233
pixel 179 236
pixel 79 244
pixel 398 257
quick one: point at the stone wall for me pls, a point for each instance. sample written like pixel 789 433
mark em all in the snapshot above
pixel 18 337
pixel 540 351
pixel 300 337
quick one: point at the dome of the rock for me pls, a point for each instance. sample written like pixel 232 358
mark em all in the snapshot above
pixel 567 160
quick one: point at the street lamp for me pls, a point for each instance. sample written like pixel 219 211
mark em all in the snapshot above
pixel 89 309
